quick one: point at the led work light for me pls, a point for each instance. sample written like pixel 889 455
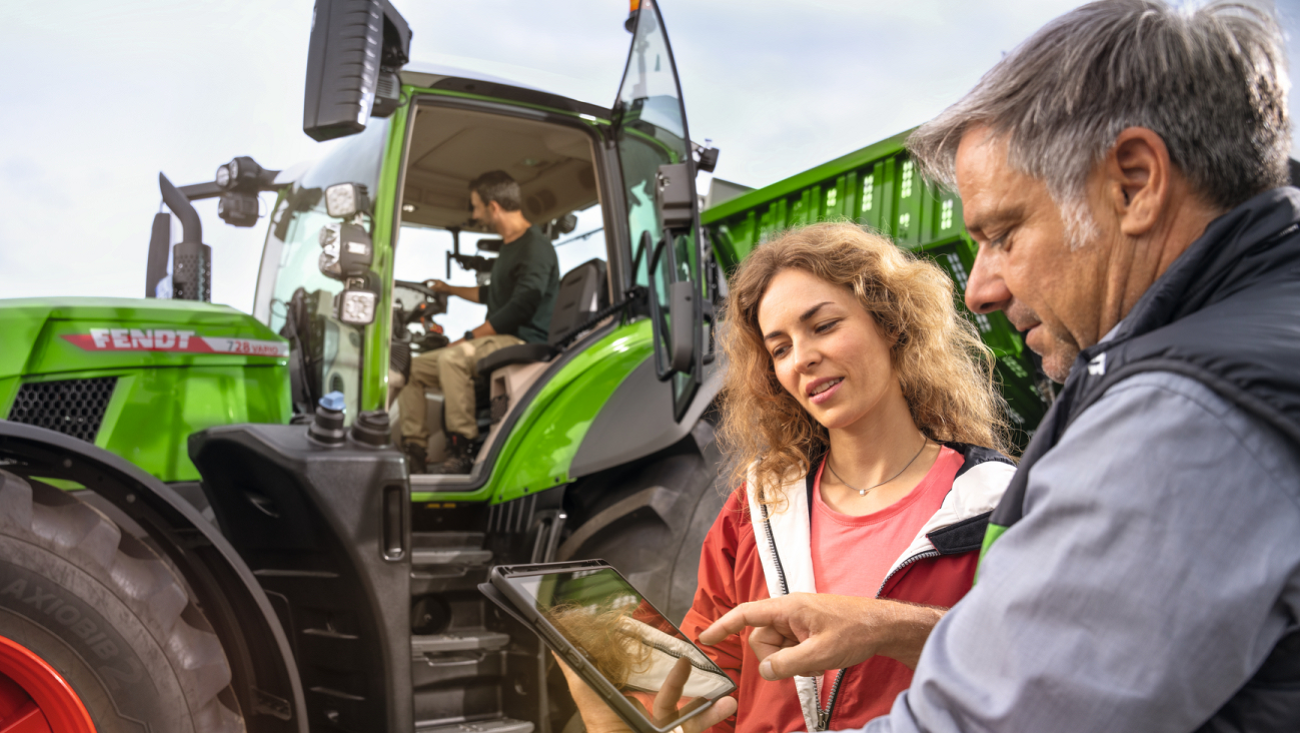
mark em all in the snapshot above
pixel 357 307
pixel 346 200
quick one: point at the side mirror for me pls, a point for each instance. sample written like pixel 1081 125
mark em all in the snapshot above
pixel 681 328
pixel 674 338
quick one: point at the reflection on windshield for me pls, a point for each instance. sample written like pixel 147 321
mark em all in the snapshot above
pixel 301 293
pixel 356 160
pixel 640 162
pixel 651 126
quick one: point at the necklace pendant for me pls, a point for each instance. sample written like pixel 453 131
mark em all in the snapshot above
pixel 862 492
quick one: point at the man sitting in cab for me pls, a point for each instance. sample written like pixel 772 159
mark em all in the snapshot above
pixel 519 297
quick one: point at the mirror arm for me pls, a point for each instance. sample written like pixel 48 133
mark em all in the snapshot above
pixel 662 373
pixel 712 276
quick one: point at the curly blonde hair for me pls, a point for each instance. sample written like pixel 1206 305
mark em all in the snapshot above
pixel 945 370
pixel 599 632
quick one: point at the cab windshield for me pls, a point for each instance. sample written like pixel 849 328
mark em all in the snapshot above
pixel 291 288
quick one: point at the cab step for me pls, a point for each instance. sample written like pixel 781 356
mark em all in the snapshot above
pixel 499 725
pixel 458 640
pixel 422 556
pixel 449 548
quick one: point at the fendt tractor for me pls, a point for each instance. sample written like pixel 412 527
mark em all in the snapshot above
pixel 205 524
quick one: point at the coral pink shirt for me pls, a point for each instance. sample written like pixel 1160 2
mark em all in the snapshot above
pixel 852 555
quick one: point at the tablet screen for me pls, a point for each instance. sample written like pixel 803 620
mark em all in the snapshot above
pixel 622 635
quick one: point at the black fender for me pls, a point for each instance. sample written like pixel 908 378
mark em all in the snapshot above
pixel 264 673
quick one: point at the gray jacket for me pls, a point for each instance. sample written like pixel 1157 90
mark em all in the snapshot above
pixel 1150 576
pixel 1157 565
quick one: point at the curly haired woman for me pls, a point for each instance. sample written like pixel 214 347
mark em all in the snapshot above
pixel 862 417
pixel 866 433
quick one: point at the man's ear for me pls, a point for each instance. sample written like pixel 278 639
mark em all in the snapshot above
pixel 1137 173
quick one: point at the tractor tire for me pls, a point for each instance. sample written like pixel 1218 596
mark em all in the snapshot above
pixel 652 519
pixel 108 615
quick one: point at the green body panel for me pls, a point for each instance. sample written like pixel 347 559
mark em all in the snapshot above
pixel 541 446
pixel 160 397
pixel 991 535
pixel 374 363
pixel 879 187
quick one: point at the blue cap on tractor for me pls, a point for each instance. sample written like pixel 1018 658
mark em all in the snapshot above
pixel 333 401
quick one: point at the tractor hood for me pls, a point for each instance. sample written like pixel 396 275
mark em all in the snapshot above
pixel 51 335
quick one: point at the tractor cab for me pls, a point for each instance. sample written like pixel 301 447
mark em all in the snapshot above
pixel 310 580
pixel 355 238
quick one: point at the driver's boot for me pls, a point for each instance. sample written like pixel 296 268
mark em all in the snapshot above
pixel 417 456
pixel 459 459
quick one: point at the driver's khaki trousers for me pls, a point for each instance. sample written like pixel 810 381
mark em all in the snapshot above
pixel 451 370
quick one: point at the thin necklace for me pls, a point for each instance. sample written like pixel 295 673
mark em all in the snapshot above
pixel 863 492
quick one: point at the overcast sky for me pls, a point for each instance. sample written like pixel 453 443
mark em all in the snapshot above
pixel 104 95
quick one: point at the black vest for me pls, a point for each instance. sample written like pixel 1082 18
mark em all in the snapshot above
pixel 1227 314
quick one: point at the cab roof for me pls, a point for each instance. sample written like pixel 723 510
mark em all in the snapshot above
pixel 449 78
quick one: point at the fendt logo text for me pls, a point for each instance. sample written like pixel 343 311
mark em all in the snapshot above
pixel 166 339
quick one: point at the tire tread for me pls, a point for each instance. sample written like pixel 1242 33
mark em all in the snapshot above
pixel 84 536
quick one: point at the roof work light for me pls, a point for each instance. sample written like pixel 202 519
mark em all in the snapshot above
pixel 633 7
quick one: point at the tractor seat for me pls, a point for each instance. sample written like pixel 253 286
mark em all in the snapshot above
pixel 582 294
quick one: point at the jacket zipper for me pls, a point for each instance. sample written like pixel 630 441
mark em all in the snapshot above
pixel 915 558
pixel 824 714
pixel 776 559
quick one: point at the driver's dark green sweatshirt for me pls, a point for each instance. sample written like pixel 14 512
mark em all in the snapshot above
pixel 521 294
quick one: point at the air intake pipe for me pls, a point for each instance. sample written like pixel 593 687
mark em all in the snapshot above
pixel 191 258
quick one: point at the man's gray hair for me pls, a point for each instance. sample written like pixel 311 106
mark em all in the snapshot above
pixel 1210 81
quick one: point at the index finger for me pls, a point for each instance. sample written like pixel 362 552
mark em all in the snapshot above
pixel 754 613
pixel 670 693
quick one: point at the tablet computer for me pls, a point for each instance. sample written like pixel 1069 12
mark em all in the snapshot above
pixel 610 635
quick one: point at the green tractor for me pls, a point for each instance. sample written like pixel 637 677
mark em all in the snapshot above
pixel 204 523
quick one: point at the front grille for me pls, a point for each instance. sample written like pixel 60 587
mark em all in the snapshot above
pixel 73 407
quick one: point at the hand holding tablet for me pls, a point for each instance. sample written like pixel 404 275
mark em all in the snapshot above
pixel 621 655
pixel 600 718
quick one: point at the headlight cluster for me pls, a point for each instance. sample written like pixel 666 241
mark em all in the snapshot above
pixel 239 180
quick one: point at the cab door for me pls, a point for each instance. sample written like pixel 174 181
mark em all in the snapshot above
pixel 658 173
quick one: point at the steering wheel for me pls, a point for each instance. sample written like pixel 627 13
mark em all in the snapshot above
pixel 419 288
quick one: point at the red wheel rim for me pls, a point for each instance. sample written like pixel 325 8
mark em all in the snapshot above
pixel 34 698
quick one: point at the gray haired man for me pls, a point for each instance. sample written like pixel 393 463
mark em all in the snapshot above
pixel 1123 173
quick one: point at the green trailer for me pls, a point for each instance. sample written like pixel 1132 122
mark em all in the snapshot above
pixel 878 187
